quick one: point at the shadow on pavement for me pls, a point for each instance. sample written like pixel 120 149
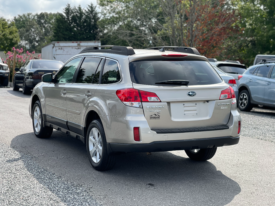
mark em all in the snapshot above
pixel 18 93
pixel 158 179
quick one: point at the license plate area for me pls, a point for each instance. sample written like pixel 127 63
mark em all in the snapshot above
pixel 188 111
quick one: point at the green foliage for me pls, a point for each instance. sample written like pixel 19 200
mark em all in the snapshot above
pixel 35 30
pixel 258 23
pixel 77 24
pixel 9 36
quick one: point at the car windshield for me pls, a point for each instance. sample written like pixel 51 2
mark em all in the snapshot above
pixel 219 70
pixel 155 72
pixel 232 69
pixel 52 65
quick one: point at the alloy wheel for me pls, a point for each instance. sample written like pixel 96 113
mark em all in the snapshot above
pixel 95 145
pixel 243 100
pixel 37 120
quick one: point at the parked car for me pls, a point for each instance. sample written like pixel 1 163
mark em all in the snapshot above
pixel 4 74
pixel 125 100
pixel 233 69
pixel 257 87
pixel 30 74
pixel 261 57
pixel 228 79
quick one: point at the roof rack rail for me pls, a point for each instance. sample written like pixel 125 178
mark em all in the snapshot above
pixel 122 50
pixel 264 61
pixel 180 49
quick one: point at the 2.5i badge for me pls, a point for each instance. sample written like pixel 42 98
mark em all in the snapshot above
pixel 155 116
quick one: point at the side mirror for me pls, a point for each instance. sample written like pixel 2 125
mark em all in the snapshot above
pixel 22 69
pixel 47 78
pixel 16 69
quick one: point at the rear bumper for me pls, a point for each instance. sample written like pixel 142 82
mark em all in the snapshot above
pixel 31 83
pixel 174 145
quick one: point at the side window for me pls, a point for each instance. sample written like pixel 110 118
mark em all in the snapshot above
pixel 110 73
pixel 272 76
pixel 263 71
pixel 66 74
pixel 253 70
pixel 97 73
pixel 87 70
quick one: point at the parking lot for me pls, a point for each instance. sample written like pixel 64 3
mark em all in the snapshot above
pixel 56 171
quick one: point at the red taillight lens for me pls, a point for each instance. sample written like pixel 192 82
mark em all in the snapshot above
pixel 128 95
pixel 134 97
pixel 228 94
pixel 149 97
pixel 239 127
pixel 136 134
pixel 174 55
pixel 239 77
pixel 232 81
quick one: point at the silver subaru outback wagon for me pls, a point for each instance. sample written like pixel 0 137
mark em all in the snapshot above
pixel 124 100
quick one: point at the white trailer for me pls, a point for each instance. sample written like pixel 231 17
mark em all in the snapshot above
pixel 64 50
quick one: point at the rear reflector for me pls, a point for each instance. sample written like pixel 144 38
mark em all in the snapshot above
pixel 239 77
pixel 136 134
pixel 174 55
pixel 232 81
pixel 228 94
pixel 134 97
pixel 239 127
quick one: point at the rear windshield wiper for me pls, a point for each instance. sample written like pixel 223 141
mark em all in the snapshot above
pixel 175 82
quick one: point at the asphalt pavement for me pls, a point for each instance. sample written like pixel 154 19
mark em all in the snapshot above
pixel 56 171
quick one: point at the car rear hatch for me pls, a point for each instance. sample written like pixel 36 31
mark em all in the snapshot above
pixel 181 94
pixel 37 74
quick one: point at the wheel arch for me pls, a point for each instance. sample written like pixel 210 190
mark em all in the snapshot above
pixel 91 116
pixel 34 99
pixel 244 87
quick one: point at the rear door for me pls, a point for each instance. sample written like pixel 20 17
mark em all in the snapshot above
pixel 270 94
pixel 261 83
pixel 194 106
pixel 81 91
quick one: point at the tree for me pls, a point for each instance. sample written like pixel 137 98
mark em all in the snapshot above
pixel 35 30
pixel 205 24
pixel 9 36
pixel 258 24
pixel 77 24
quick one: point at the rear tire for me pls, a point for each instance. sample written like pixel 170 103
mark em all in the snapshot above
pixel 25 89
pixel 244 101
pixel 15 87
pixel 96 146
pixel 5 82
pixel 39 129
pixel 201 154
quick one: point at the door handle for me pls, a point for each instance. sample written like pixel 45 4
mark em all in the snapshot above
pixel 268 83
pixel 88 94
pixel 250 80
pixel 64 92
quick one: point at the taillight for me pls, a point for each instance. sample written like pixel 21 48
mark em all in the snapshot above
pixel 239 127
pixel 136 134
pixel 149 96
pixel 174 55
pixel 134 97
pixel 228 94
pixel 239 77
pixel 232 81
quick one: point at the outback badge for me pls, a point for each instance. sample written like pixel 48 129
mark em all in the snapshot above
pixel 191 94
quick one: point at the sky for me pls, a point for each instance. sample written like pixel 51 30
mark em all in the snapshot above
pixel 12 8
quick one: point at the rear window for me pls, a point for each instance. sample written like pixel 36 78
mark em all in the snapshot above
pixel 151 71
pixel 259 59
pixel 232 69
pixel 52 65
